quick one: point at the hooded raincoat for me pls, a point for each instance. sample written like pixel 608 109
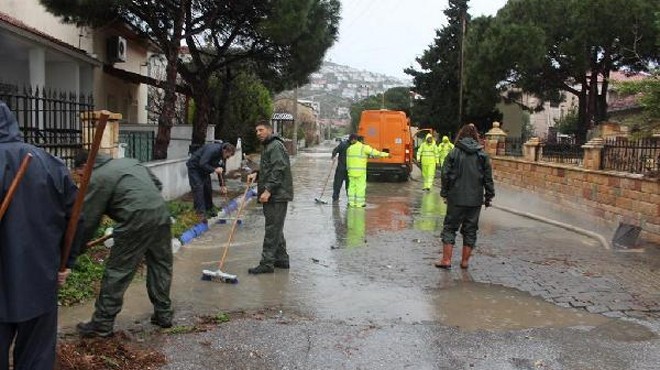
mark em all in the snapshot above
pixel 31 236
pixel 427 156
pixel 32 230
pixel 467 181
pixel 444 148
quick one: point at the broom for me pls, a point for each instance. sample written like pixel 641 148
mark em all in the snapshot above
pixel 320 200
pixel 219 274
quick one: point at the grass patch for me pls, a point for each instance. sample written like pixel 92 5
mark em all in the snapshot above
pixel 181 329
pixel 83 282
pixel 184 216
pixel 221 318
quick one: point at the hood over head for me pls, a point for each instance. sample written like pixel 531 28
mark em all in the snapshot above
pixel 9 131
pixel 428 136
pixel 445 139
pixel 469 145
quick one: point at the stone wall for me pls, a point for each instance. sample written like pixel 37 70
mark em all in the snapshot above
pixel 610 196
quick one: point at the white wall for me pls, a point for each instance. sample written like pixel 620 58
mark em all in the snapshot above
pixel 63 77
pixel 174 176
pixel 13 72
pixel 32 13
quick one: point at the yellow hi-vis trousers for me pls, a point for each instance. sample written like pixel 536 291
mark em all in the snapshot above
pixel 428 174
pixel 357 190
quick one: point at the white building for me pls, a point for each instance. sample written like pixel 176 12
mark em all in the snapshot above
pixel 38 50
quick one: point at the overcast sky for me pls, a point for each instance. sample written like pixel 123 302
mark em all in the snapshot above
pixel 385 36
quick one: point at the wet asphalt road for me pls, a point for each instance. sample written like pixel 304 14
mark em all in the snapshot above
pixel 362 293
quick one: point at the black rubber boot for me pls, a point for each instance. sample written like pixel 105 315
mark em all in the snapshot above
pixel 91 330
pixel 261 269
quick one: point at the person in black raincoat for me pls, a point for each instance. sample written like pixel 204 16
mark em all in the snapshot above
pixel 341 173
pixel 467 184
pixel 275 191
pixel 128 193
pixel 31 236
pixel 211 158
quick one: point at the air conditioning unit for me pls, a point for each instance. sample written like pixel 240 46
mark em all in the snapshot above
pixel 117 49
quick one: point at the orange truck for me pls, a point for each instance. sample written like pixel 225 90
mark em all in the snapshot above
pixel 388 131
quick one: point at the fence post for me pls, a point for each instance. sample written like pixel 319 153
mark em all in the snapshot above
pixel 593 150
pixel 495 140
pixel 531 148
pixel 110 141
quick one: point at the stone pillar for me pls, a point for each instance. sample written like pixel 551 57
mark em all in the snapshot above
pixel 110 140
pixel 495 140
pixel 531 149
pixel 593 150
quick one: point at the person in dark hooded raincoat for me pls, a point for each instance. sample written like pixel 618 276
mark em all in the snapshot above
pixel 211 158
pixel 467 184
pixel 128 193
pixel 31 236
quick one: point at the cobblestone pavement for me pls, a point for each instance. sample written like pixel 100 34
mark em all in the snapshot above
pixel 609 282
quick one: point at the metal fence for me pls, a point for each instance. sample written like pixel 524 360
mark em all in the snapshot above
pixel 634 156
pixel 138 144
pixel 513 146
pixel 50 119
pixel 568 153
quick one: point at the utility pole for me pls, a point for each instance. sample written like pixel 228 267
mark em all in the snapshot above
pixel 295 120
pixel 460 89
pixel 382 101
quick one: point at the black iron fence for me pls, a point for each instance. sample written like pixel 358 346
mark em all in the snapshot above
pixel 568 153
pixel 513 146
pixel 634 156
pixel 50 119
pixel 137 144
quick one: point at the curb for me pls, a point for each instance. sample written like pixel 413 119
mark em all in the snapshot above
pixel 563 225
pixel 200 228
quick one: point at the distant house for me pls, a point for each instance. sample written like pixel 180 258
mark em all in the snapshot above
pixel 619 106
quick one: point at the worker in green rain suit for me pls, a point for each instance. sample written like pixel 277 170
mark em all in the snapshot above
pixel 432 210
pixel 129 194
pixel 356 163
pixel 444 148
pixel 427 156
pixel 355 227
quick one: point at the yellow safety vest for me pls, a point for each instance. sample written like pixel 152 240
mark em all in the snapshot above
pixel 356 158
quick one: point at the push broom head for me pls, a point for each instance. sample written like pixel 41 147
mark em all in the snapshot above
pixel 218 275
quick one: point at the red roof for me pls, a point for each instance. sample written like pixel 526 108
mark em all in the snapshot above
pixel 6 18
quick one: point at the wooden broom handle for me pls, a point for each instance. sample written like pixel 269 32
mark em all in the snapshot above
pixel 80 198
pixel 233 226
pixel 14 184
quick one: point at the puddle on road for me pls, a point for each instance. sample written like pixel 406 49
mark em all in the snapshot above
pixel 474 306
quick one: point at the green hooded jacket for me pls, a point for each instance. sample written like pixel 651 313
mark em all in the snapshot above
pixel 127 192
pixel 275 171
pixel 467 176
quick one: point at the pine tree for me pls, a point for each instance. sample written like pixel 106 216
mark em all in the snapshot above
pixel 439 79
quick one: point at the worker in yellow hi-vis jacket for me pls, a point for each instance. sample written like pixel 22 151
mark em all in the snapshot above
pixel 428 158
pixel 356 164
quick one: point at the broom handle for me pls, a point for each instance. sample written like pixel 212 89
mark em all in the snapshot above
pixel 328 178
pixel 14 184
pixel 233 226
pixel 80 197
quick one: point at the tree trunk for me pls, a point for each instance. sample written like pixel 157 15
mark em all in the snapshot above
pixel 169 106
pixel 223 104
pixel 202 112
pixel 601 102
pixel 169 100
pixel 581 134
